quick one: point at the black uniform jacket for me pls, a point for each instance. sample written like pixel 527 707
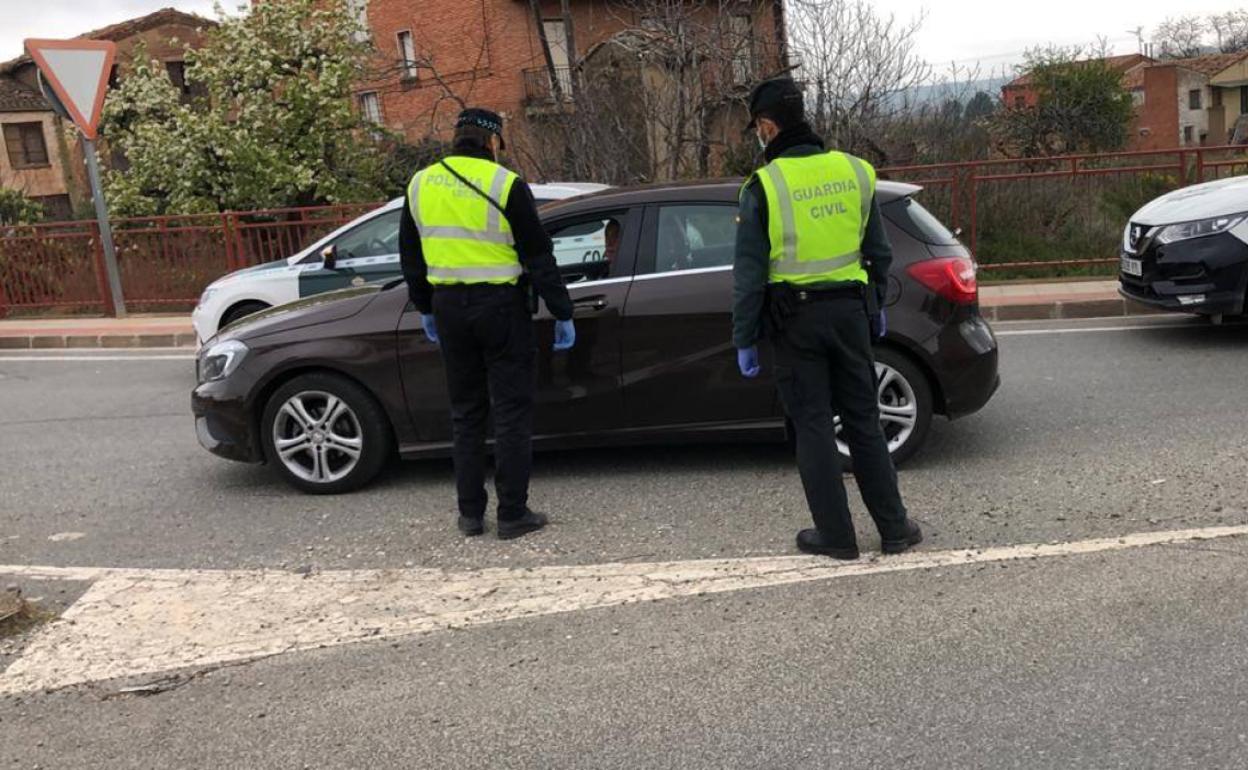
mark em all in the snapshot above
pixel 532 243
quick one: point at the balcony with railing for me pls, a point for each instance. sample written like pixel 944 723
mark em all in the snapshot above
pixel 542 90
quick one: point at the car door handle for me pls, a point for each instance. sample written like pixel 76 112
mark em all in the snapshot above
pixel 591 303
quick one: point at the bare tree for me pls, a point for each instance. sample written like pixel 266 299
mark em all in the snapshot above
pixel 656 100
pixel 447 86
pixel 858 66
pixel 1231 31
pixel 1181 37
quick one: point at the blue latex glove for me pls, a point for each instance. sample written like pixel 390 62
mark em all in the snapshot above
pixel 430 326
pixel 879 324
pixel 565 335
pixel 747 362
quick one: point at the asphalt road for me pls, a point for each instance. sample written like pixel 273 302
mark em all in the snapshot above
pixel 1100 429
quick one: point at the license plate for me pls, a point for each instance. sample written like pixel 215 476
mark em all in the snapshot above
pixel 1133 267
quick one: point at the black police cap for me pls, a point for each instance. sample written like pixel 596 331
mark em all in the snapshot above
pixel 490 121
pixel 777 96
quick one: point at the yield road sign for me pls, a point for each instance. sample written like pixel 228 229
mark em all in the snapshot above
pixel 77 71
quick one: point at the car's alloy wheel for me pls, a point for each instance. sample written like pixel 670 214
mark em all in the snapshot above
pixel 325 433
pixel 318 437
pixel 905 402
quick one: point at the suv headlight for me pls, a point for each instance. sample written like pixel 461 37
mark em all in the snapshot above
pixel 221 360
pixel 1187 230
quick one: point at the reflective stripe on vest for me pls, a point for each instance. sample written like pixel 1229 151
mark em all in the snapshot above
pixel 464 238
pixel 822 242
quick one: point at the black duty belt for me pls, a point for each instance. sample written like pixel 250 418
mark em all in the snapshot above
pixel 821 295
pixel 475 288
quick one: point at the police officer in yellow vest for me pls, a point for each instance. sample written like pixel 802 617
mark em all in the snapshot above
pixel 470 240
pixel 810 272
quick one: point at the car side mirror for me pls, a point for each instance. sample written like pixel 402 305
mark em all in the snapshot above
pixel 330 256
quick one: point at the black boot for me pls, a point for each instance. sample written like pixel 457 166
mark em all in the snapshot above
pixel 472 526
pixel 913 537
pixel 509 529
pixel 811 541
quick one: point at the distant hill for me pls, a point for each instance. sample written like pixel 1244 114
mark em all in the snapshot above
pixel 938 93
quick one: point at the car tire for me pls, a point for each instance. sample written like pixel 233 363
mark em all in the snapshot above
pixel 338 453
pixel 241 310
pixel 906 392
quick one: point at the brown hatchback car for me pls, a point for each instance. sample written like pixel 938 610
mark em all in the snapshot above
pixel 328 388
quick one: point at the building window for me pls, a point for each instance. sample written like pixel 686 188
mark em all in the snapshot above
pixel 740 31
pixel 25 144
pixel 359 10
pixel 1020 102
pixel 1193 99
pixel 370 107
pixel 1189 134
pixel 1243 100
pixel 177 76
pixel 557 38
pixel 56 208
pixel 1217 96
pixel 407 54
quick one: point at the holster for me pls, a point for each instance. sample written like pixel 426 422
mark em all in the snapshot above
pixel 531 299
pixel 871 300
pixel 778 307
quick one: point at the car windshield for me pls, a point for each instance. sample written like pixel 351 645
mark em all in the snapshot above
pixel 919 223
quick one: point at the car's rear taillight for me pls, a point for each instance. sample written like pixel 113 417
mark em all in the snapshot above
pixel 951 277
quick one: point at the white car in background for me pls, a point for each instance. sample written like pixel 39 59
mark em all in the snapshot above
pixel 363 250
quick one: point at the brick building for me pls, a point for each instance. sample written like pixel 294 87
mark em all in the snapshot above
pixel 1193 102
pixel 438 55
pixel 1021 92
pixel 42 155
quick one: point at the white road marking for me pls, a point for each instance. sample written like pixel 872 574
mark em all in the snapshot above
pixel 63 537
pixel 136 621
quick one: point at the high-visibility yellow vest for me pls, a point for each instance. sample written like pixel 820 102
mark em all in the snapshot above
pixel 464 238
pixel 817 210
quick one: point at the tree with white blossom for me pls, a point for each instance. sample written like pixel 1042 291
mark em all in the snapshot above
pixel 269 120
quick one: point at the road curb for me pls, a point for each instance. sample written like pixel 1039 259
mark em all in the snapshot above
pixel 1067 310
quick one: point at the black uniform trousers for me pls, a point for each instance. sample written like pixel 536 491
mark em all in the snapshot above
pixel 824 366
pixel 486 338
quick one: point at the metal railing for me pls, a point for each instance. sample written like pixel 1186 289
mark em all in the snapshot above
pixel 1059 215
pixel 540 87
pixel 164 261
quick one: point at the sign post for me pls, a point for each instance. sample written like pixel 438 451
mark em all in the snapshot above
pixel 73 75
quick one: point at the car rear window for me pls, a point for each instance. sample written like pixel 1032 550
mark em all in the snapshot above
pixel 919 223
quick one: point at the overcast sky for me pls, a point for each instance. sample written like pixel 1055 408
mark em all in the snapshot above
pixel 992 32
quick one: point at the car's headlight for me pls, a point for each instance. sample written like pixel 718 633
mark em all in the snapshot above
pixel 207 295
pixel 1198 229
pixel 221 360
